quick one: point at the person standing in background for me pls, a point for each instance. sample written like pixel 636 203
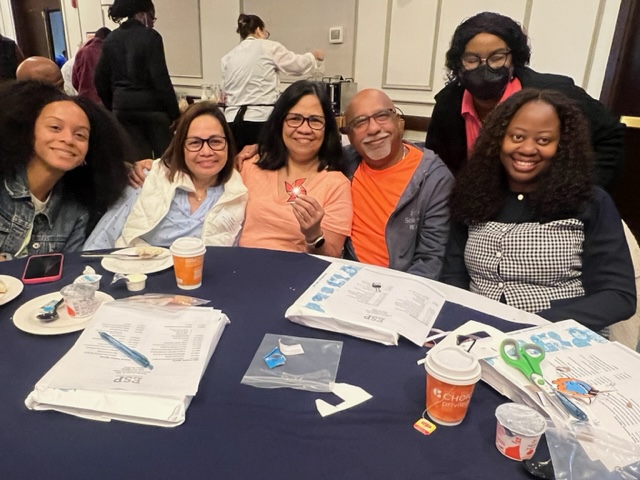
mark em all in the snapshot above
pixel 10 57
pixel 132 78
pixel 66 70
pixel 250 77
pixel 85 64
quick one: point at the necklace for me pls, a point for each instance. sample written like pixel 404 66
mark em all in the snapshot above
pixel 199 198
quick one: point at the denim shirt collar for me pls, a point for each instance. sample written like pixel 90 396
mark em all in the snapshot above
pixel 18 189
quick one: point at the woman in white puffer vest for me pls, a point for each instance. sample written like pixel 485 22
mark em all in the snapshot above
pixel 192 190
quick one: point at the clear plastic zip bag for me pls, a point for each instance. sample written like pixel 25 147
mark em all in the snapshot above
pixel 573 445
pixel 313 370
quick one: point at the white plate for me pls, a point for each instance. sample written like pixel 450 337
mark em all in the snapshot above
pixel 150 265
pixel 14 288
pixel 25 317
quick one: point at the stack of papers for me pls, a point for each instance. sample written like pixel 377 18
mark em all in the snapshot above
pixel 369 303
pixel 604 374
pixel 98 381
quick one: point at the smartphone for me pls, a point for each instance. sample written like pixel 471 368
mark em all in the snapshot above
pixel 43 268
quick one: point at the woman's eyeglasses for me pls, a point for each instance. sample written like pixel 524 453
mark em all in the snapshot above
pixel 497 59
pixel 215 142
pixel 295 120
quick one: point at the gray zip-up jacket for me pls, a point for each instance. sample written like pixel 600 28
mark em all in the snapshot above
pixel 418 229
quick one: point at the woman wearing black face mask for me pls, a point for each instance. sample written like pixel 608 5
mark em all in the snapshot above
pixel 132 79
pixel 487 63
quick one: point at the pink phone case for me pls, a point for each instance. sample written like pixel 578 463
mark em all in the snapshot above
pixel 45 279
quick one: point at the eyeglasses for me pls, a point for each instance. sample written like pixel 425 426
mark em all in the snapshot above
pixel 215 142
pixel 267 34
pixel 358 124
pixel 295 120
pixel 497 59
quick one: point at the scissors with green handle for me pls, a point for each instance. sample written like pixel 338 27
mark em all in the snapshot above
pixel 527 358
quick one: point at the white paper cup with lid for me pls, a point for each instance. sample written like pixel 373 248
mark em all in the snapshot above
pixel 518 430
pixel 452 375
pixel 188 262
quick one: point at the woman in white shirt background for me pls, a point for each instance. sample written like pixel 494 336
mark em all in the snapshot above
pixel 250 77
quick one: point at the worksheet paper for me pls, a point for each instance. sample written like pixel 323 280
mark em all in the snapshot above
pixel 573 351
pixel 95 379
pixel 369 303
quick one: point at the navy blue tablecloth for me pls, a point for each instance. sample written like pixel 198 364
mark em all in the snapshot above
pixel 235 431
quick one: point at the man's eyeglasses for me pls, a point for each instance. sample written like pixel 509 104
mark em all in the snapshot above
pixel 497 59
pixel 360 123
pixel 215 142
pixel 295 120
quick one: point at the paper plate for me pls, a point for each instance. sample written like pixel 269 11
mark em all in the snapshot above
pixel 14 288
pixel 25 316
pixel 138 265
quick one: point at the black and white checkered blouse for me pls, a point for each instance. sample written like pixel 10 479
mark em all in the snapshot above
pixel 529 264
pixel 577 267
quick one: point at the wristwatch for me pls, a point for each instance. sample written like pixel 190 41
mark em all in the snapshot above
pixel 317 243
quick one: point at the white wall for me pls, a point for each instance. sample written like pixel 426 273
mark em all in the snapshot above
pixel 400 45
pixel 571 37
pixel 6 21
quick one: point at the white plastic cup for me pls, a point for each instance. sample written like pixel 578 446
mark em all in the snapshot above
pixel 136 282
pixel 79 299
pixel 90 279
pixel 518 430
pixel 188 262
pixel 452 375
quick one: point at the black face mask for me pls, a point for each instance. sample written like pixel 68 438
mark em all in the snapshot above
pixel 484 83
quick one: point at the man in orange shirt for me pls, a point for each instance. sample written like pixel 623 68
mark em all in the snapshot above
pixel 400 193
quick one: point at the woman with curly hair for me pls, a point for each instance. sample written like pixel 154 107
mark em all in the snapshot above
pixel 132 78
pixel 487 63
pixel 61 165
pixel 193 190
pixel 531 230
pixel 298 198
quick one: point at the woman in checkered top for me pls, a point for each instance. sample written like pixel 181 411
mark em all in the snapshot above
pixel 530 227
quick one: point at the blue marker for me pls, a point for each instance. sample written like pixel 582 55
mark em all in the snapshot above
pixel 129 352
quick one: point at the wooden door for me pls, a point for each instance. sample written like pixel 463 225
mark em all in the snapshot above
pixel 33 34
pixel 621 94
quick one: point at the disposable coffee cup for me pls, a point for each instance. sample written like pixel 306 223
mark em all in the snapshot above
pixel 188 261
pixel 518 430
pixel 452 375
pixel 79 299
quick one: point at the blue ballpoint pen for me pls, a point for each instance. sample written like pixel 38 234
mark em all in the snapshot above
pixel 129 352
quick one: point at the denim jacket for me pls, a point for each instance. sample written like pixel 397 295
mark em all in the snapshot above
pixel 59 227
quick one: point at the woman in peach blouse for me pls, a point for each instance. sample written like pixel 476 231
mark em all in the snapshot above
pixel 298 198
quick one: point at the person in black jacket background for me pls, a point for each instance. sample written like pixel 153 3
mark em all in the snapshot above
pixel 487 62
pixel 10 57
pixel 132 78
